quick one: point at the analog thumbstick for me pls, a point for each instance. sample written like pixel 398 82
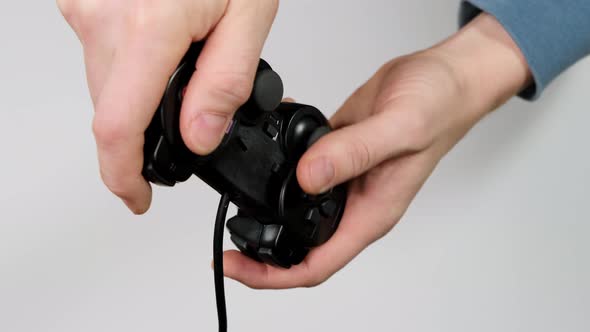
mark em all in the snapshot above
pixel 267 92
pixel 301 132
pixel 317 134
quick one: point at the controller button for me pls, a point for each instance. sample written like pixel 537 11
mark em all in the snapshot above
pixel 272 118
pixel 328 208
pixel 270 235
pixel 317 134
pixel 267 92
pixel 271 130
pixel 313 215
pixel 239 242
pixel 313 219
pixel 247 229
pixel 270 257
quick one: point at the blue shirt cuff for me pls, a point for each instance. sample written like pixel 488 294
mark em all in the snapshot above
pixel 552 35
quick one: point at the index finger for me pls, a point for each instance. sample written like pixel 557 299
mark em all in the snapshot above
pixel 128 101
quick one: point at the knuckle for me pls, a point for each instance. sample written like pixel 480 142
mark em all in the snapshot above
pixel 414 124
pixel 109 133
pixel 385 68
pixel 385 226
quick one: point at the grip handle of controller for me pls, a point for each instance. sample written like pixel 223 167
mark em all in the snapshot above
pixel 164 149
pixel 270 244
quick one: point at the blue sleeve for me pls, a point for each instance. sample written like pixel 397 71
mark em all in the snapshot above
pixel 552 34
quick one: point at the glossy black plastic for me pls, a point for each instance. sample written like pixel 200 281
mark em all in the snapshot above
pixel 255 164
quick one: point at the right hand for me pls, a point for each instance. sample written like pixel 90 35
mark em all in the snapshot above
pixel 132 47
pixel 388 138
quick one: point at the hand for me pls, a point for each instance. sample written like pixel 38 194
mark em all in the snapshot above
pixel 390 136
pixel 132 47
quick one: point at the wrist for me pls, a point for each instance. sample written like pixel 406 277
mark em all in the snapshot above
pixel 489 65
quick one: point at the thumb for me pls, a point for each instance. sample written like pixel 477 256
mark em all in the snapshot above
pixel 225 73
pixel 353 150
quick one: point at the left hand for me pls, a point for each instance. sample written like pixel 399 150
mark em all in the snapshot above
pixel 391 133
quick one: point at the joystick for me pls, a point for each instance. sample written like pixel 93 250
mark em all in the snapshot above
pixel 254 167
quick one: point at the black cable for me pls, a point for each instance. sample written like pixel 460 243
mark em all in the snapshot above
pixel 218 261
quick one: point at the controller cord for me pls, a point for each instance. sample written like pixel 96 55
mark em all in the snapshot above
pixel 218 261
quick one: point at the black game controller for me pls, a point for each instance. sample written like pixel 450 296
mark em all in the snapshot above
pixel 277 223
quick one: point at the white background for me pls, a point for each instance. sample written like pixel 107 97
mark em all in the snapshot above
pixel 496 241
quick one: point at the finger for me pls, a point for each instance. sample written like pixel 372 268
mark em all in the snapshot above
pixel 97 70
pixel 98 58
pixel 98 33
pixel 361 103
pixel 99 52
pixel 320 264
pixel 127 103
pixel 351 151
pixel 357 107
pixel 225 75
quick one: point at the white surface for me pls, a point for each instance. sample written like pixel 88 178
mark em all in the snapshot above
pixel 496 241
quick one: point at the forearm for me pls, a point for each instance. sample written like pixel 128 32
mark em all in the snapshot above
pixel 490 66
pixel 552 35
